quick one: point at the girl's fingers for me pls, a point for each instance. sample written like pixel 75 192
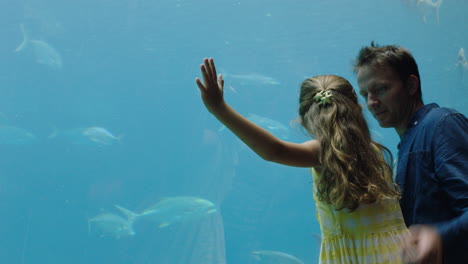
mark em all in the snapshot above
pixel 209 68
pixel 213 68
pixel 205 75
pixel 220 81
pixel 199 83
pixel 209 75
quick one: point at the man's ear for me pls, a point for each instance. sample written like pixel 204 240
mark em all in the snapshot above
pixel 413 84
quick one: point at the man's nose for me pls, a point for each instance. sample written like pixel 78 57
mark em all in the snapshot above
pixel 372 101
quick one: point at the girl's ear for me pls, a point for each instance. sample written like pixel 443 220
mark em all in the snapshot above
pixel 413 84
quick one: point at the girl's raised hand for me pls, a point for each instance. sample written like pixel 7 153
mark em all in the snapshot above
pixel 212 87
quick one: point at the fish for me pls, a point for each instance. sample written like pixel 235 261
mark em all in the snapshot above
pixel 274 257
pixel 86 136
pixel 100 135
pixel 178 209
pixel 74 136
pixel 317 238
pixel 462 64
pixel 275 127
pixel 111 225
pixel 130 215
pixel 11 135
pixel 427 7
pixel 376 135
pixel 43 51
pixel 252 79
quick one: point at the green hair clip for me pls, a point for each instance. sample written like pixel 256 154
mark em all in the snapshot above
pixel 323 97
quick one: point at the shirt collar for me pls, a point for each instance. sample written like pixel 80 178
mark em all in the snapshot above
pixel 416 117
pixel 420 114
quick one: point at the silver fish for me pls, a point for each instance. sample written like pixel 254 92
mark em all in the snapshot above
pixel 43 51
pixel 462 64
pixel 16 136
pixel 100 135
pixel 427 8
pixel 111 225
pixel 274 257
pixel 178 209
pixel 376 135
pixel 275 127
pixel 86 136
pixel 131 216
pixel 252 78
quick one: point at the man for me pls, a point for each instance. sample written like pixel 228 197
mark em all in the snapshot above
pixel 432 168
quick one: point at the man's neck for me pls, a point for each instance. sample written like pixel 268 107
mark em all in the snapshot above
pixel 401 130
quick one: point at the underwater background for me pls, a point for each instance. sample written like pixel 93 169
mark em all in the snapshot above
pixel 107 154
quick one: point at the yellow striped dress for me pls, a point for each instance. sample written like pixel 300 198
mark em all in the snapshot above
pixel 369 235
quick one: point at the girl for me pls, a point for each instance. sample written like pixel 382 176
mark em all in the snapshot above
pixel 357 202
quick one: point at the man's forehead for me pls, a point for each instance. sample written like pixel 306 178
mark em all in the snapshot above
pixel 364 78
pixel 372 76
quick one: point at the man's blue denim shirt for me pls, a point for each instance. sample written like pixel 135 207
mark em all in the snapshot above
pixel 432 172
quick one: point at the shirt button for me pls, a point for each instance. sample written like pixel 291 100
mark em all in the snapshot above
pixel 416 122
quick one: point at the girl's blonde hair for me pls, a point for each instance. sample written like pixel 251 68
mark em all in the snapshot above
pixel 353 169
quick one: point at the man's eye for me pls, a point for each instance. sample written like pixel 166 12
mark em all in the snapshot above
pixel 381 90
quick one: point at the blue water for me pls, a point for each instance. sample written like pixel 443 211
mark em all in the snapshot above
pixel 129 66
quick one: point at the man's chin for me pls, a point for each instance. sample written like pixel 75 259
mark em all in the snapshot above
pixel 384 124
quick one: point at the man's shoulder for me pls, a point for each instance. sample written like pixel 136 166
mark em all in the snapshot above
pixel 438 114
pixel 443 120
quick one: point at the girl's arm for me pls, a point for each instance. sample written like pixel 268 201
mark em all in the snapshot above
pixel 265 144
